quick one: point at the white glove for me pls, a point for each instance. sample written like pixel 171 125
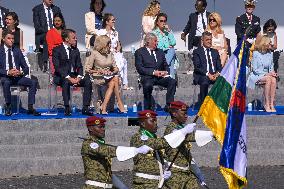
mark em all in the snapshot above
pixel 189 128
pixel 167 175
pixel 143 149
pixel 250 40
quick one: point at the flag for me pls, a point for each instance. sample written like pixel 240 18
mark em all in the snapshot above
pixel 223 113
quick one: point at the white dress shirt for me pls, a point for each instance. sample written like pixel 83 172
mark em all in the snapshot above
pixel 1 19
pixel 46 14
pixel 199 29
pixel 149 50
pixel 68 55
pixel 207 61
pixel 13 61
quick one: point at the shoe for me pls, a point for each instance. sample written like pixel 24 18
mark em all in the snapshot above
pixel 272 109
pixel 267 108
pixel 87 112
pixel 121 112
pixel 33 112
pixel 67 111
pixel 8 110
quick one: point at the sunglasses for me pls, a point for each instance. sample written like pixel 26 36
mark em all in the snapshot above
pixel 162 21
pixel 212 20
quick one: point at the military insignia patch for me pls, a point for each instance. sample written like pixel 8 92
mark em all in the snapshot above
pixel 97 122
pixel 148 115
pixel 94 145
pixel 144 137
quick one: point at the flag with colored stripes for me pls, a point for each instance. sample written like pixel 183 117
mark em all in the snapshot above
pixel 223 113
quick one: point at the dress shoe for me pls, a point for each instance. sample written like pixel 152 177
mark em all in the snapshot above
pixel 67 111
pixel 8 110
pixel 87 112
pixel 33 112
pixel 166 108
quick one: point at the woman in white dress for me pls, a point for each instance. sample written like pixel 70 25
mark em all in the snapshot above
pixel 219 41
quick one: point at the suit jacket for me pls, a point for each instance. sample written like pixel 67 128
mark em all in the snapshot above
pixel 145 63
pixel 200 64
pixel 19 60
pixel 4 11
pixel 191 27
pixel 62 64
pixel 242 23
pixel 39 18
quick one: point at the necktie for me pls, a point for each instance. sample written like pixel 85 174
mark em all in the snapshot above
pixel 209 61
pixel 153 56
pixel 203 22
pixel 49 18
pixel 10 59
pixel 69 57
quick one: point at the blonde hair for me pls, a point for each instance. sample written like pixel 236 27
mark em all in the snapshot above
pixel 261 45
pixel 218 19
pixel 150 10
pixel 102 44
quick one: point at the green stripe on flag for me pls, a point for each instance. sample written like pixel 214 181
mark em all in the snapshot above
pixel 221 94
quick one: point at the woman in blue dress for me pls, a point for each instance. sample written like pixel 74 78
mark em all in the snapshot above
pixel 263 72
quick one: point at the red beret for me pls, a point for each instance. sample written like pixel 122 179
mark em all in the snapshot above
pixel 93 121
pixel 146 114
pixel 178 105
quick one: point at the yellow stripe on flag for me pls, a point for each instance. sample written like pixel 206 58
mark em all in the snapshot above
pixel 232 178
pixel 213 118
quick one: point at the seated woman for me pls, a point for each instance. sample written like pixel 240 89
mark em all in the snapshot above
pixel 263 73
pixel 219 41
pixel 166 41
pixel 53 36
pixel 148 18
pixel 102 68
pixel 108 28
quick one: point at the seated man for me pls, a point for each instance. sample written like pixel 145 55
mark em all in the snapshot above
pixel 152 66
pixel 13 71
pixel 69 71
pixel 207 65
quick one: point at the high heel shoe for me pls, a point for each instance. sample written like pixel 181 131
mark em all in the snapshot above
pixel 103 112
pixel 272 109
pixel 120 111
pixel 267 108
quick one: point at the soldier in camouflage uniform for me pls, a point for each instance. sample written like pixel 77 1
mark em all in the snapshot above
pixel 97 155
pixel 182 176
pixel 149 170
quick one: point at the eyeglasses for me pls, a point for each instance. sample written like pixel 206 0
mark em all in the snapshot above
pixel 162 21
pixel 212 20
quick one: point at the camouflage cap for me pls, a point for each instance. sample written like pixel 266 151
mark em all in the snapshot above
pixel 94 121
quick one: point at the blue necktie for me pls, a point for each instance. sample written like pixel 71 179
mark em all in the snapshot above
pixel 49 18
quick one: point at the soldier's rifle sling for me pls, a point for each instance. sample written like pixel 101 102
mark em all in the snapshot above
pixel 176 155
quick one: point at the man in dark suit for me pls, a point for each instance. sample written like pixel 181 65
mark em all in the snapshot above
pixel 43 21
pixel 196 25
pixel 207 65
pixel 13 71
pixel 3 12
pixel 152 66
pixel 69 71
pixel 248 23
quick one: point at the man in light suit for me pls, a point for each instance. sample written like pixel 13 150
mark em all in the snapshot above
pixel 43 21
pixel 69 71
pixel 207 65
pixel 13 71
pixel 152 66
pixel 3 12
pixel 196 25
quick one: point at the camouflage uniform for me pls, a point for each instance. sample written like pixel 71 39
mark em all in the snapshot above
pixel 147 163
pixel 97 161
pixel 180 179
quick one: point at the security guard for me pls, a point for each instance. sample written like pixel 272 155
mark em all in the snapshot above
pixel 97 155
pixel 150 169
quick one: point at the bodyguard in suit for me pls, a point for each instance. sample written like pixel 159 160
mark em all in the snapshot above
pixel 43 21
pixel 3 12
pixel 13 71
pixel 207 65
pixel 196 24
pixel 152 66
pixel 69 71
pixel 247 20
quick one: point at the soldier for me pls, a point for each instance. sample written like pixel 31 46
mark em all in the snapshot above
pixel 183 172
pixel 150 168
pixel 97 155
